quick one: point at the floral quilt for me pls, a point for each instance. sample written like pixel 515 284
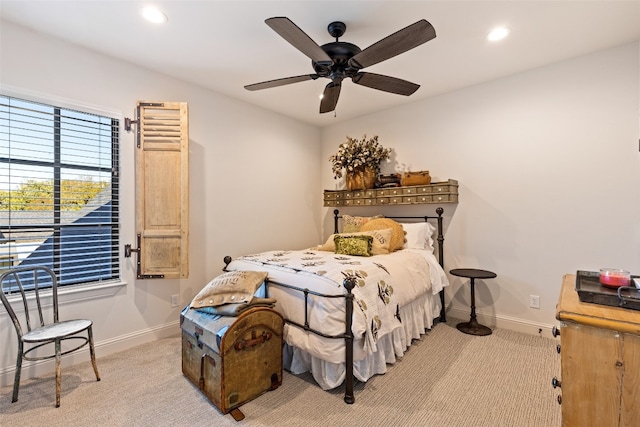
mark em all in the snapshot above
pixel 373 293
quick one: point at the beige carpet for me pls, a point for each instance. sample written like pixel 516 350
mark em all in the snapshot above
pixel 446 379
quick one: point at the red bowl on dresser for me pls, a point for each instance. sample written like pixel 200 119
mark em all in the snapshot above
pixel 614 278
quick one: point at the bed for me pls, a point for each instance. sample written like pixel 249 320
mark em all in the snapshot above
pixel 349 316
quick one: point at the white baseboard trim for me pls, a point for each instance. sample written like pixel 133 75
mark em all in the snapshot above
pixel 103 348
pixel 502 322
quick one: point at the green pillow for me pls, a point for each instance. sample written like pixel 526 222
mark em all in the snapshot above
pixel 353 245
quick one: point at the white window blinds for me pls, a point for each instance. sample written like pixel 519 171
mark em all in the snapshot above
pixel 59 191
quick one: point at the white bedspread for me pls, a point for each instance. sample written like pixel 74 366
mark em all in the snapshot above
pixel 411 274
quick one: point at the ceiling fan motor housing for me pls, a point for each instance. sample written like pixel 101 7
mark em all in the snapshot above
pixel 339 60
pixel 340 53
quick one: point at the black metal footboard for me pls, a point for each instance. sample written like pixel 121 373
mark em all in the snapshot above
pixel 349 284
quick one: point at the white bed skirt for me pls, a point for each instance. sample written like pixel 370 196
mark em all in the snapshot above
pixel 417 317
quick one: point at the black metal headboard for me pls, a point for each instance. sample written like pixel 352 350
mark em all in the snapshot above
pixel 440 236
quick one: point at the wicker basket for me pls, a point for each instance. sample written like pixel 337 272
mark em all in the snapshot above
pixel 361 179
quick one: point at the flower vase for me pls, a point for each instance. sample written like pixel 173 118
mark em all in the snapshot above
pixel 361 179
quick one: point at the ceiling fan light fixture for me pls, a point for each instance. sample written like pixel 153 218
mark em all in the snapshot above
pixel 154 15
pixel 498 34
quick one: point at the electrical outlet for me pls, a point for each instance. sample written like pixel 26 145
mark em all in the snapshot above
pixel 534 301
pixel 174 300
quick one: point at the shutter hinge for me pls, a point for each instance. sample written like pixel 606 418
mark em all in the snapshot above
pixel 127 254
pixel 127 126
pixel 128 122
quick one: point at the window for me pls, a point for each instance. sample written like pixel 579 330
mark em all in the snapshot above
pixel 59 191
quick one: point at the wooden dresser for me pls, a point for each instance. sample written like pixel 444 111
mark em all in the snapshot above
pixel 600 362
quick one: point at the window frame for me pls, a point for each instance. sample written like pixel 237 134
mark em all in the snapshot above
pixel 101 286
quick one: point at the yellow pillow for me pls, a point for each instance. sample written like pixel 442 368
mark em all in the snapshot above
pixel 229 287
pixel 380 246
pixel 397 236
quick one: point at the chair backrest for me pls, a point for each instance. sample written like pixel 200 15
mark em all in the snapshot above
pixel 28 282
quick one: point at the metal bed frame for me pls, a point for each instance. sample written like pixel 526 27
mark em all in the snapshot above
pixel 349 284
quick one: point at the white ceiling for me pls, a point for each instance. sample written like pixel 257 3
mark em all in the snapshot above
pixel 224 45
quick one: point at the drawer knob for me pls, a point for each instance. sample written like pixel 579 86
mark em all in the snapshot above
pixel 556 383
pixel 555 331
pixel 559 400
pixel 558 348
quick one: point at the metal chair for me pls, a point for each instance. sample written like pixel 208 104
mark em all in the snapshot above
pixel 27 283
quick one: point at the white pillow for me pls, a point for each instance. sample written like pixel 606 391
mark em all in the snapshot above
pixel 419 235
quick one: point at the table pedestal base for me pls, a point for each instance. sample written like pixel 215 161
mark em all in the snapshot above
pixel 473 328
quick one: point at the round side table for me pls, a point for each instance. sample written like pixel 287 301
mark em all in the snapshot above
pixel 472 327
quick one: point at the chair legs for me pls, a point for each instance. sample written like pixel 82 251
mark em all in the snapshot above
pixel 58 360
pixel 58 371
pixel 93 354
pixel 16 381
pixel 58 367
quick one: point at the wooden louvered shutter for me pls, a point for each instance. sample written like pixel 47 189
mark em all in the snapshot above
pixel 162 189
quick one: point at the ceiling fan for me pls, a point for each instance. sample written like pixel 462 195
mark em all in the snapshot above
pixel 339 60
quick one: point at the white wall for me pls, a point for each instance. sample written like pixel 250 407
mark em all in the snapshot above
pixel 245 170
pixel 547 162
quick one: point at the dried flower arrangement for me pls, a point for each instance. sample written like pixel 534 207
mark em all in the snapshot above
pixel 358 154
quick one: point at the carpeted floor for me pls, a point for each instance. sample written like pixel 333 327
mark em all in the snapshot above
pixel 446 379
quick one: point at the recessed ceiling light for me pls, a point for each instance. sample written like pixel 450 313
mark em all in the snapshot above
pixel 153 14
pixel 498 34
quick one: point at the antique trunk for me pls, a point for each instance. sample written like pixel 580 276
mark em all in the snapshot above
pixel 232 359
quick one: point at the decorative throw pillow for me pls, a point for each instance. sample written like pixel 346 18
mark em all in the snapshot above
pixel 229 287
pixel 351 224
pixel 353 245
pixel 380 246
pixel 397 236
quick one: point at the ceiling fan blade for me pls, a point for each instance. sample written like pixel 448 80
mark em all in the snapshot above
pixel 330 97
pixel 281 82
pixel 385 83
pixel 298 39
pixel 399 42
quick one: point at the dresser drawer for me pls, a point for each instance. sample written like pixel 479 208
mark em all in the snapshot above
pixel 444 189
pixel 386 192
pixel 444 198
pixel 333 195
